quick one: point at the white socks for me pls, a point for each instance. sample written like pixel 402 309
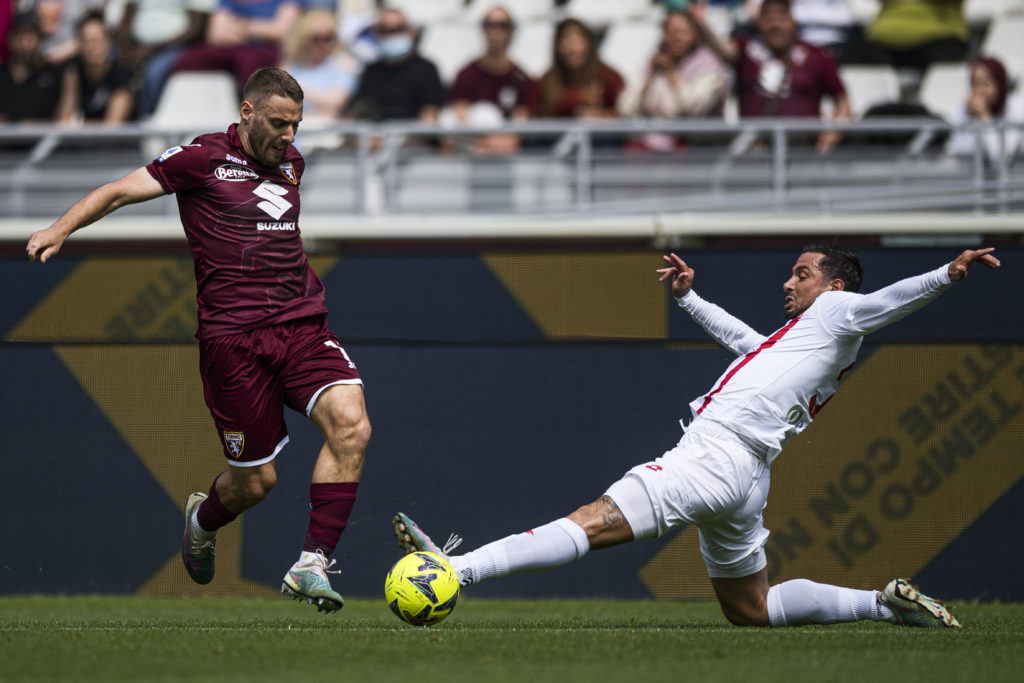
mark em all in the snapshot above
pixel 799 602
pixel 545 547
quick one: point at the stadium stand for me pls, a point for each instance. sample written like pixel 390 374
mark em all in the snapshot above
pixel 868 85
pixel 451 45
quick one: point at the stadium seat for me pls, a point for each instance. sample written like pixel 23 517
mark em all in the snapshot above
pixel 980 11
pixel 451 45
pixel 944 88
pixel 865 11
pixel 627 47
pixel 195 102
pixel 521 10
pixel 201 99
pixel 1005 40
pixel 420 13
pixel 869 85
pixel 607 12
pixel 532 47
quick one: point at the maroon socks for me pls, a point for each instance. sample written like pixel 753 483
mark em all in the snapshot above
pixel 212 514
pixel 331 505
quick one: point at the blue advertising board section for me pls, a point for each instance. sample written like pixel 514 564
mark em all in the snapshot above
pixel 490 416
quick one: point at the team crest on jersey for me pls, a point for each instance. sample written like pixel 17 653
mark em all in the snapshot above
pixel 289 172
pixel 235 442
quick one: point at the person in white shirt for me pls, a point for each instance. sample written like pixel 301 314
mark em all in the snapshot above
pixel 717 476
pixel 989 103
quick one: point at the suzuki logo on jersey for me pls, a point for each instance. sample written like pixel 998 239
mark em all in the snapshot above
pixel 289 173
pixel 234 173
pixel 274 204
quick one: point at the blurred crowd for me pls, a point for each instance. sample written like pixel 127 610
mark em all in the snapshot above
pixel 72 61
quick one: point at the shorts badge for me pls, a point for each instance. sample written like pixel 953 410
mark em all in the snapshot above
pixel 289 172
pixel 235 442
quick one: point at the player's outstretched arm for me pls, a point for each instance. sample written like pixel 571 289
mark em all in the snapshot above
pixel 958 268
pixel 727 330
pixel 680 273
pixel 137 186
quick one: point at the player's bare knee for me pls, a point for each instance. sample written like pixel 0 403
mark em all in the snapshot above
pixel 349 425
pixel 745 615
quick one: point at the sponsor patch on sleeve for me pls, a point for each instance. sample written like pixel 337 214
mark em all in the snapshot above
pixel 168 154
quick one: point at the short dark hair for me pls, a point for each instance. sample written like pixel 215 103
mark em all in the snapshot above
pixel 838 263
pixel 91 15
pixel 782 4
pixel 269 81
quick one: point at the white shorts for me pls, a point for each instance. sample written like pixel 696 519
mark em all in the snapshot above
pixel 712 480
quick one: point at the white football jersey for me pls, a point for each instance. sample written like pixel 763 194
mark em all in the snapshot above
pixel 776 386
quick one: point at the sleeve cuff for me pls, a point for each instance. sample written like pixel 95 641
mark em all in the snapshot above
pixel 686 300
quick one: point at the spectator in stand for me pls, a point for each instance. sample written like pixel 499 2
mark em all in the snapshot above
pixel 29 85
pixel 913 34
pixel 58 20
pixel 6 21
pixel 684 78
pixel 400 84
pixel 828 24
pixel 95 88
pixel 779 75
pixel 578 84
pixel 243 36
pixel 493 83
pixel 990 102
pixel 327 74
pixel 151 37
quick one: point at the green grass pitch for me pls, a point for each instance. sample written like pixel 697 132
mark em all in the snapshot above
pixel 485 641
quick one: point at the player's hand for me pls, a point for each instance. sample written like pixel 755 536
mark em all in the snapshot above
pixel 43 244
pixel 958 268
pixel 680 273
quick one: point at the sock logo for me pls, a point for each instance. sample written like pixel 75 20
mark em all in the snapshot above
pixel 235 441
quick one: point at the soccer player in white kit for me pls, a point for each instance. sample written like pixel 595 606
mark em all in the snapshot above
pixel 717 476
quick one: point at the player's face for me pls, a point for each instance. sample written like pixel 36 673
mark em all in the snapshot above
pixel 271 127
pixel 806 284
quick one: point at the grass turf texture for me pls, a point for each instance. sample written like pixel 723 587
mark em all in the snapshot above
pixel 223 639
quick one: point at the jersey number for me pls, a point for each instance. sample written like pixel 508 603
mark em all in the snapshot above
pixel 274 202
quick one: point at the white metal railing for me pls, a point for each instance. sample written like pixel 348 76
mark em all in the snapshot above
pixel 576 168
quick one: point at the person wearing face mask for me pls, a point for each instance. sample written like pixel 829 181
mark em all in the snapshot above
pixel 400 84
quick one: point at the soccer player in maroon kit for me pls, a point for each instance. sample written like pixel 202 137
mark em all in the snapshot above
pixel 263 339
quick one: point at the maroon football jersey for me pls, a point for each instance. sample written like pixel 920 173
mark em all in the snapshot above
pixel 766 86
pixel 242 223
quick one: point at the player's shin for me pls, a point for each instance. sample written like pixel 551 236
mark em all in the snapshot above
pixel 800 602
pixel 212 514
pixel 330 507
pixel 545 547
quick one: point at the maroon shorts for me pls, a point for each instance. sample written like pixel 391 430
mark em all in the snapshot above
pixel 249 377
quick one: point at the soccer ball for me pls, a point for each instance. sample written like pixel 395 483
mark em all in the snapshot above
pixel 421 588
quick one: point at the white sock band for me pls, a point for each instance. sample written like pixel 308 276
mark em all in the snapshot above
pixel 799 602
